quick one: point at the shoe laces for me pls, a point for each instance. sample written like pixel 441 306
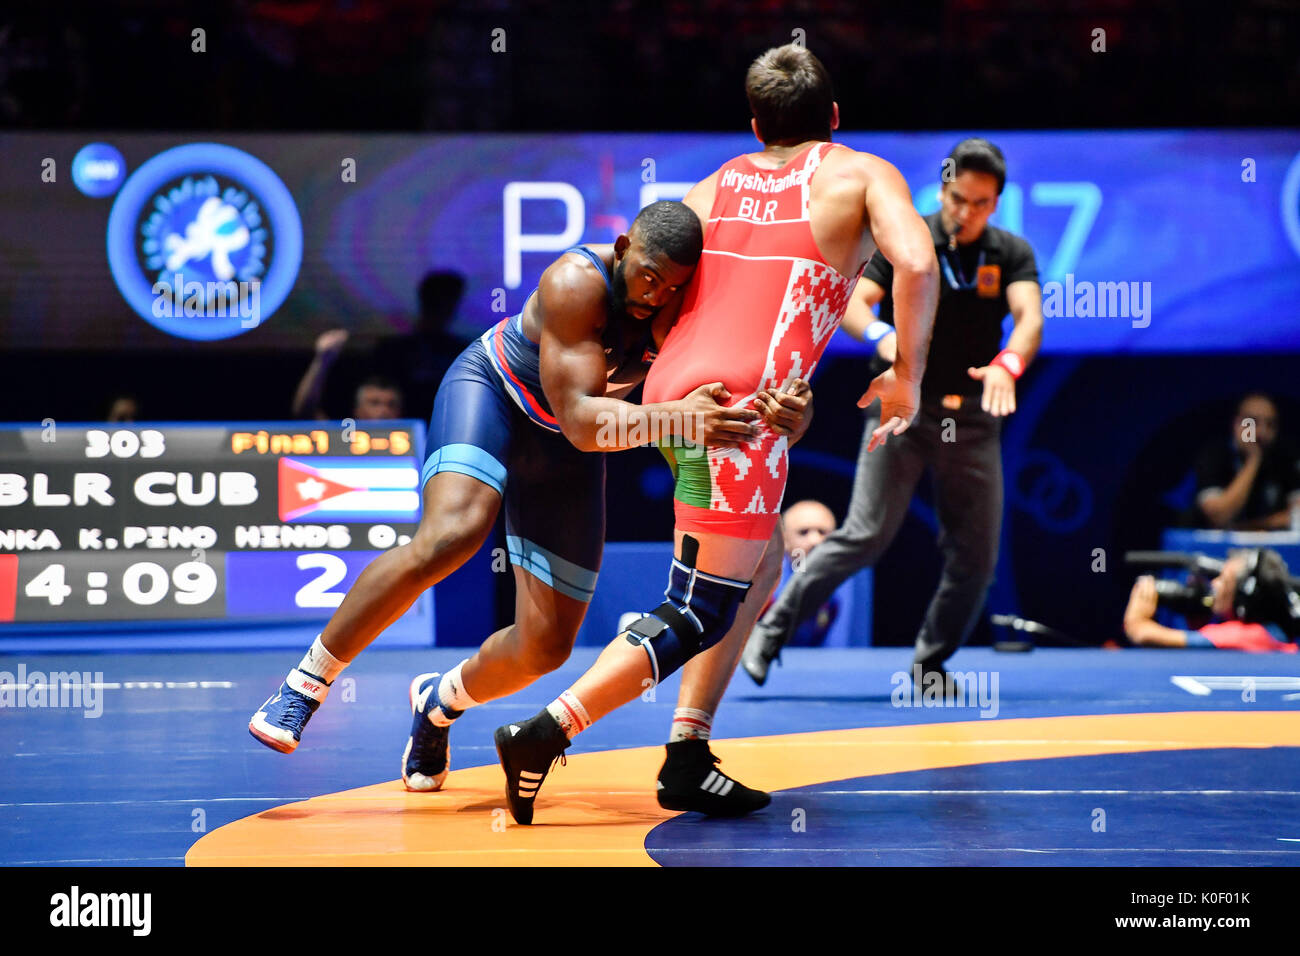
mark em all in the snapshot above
pixel 297 709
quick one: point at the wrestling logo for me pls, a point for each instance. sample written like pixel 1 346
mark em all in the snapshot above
pixel 98 169
pixel 204 242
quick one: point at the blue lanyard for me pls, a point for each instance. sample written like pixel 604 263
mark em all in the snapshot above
pixel 952 279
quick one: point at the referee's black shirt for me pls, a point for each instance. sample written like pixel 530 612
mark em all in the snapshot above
pixel 968 323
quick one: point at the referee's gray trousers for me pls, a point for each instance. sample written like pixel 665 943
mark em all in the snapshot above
pixel 967 473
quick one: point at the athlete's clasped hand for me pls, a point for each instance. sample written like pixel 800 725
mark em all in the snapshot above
pixel 713 422
pixel 787 412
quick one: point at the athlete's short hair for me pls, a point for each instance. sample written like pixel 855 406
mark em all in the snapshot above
pixel 672 229
pixel 980 156
pixel 790 94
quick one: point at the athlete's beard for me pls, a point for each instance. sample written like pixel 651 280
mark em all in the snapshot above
pixel 619 283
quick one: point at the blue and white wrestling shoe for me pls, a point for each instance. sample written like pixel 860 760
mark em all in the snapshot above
pixel 279 722
pixel 425 762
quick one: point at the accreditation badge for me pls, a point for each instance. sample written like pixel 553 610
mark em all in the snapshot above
pixel 988 282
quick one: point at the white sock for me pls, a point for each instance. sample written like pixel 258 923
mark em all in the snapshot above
pixel 569 714
pixel 690 724
pixel 321 663
pixel 453 700
pixel 451 690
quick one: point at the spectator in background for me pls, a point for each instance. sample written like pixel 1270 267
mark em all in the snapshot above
pixel 409 367
pixel 124 409
pixel 377 396
pixel 1252 481
pixel 1254 609
pixel 806 524
pixel 419 360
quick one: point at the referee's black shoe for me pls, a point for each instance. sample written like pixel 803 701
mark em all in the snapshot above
pixel 528 750
pixel 926 676
pixel 689 780
pixel 760 651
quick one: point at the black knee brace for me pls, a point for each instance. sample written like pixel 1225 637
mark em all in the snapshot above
pixel 699 610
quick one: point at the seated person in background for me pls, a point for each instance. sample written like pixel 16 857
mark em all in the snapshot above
pixel 1251 482
pixel 377 396
pixel 806 524
pixel 1254 606
pixel 125 409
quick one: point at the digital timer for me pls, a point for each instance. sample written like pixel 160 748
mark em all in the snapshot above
pixel 247 522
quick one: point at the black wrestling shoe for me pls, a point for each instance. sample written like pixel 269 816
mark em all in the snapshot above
pixel 528 750
pixel 688 780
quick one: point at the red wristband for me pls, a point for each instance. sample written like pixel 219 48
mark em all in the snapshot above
pixel 1011 361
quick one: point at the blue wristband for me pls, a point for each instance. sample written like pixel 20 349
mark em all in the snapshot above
pixel 876 331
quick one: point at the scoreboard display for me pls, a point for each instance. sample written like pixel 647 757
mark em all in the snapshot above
pixel 243 522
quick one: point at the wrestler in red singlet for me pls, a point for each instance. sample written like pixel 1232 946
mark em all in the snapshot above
pixel 763 305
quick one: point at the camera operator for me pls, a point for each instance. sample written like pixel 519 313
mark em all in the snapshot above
pixel 1254 608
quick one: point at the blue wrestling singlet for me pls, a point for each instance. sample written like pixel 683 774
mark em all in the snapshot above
pixel 491 421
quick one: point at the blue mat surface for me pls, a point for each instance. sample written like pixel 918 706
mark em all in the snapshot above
pixel 169 758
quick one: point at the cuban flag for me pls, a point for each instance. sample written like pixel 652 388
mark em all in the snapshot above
pixel 349 489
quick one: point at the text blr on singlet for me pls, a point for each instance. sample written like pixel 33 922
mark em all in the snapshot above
pixel 758 314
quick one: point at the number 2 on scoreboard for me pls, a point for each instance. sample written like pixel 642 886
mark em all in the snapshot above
pixel 316 592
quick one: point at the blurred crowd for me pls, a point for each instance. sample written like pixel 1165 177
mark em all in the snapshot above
pixel 633 64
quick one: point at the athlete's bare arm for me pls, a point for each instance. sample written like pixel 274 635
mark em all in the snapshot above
pixel 572 301
pixel 903 238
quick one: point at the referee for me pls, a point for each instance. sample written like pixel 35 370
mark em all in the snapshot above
pixel 969 385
